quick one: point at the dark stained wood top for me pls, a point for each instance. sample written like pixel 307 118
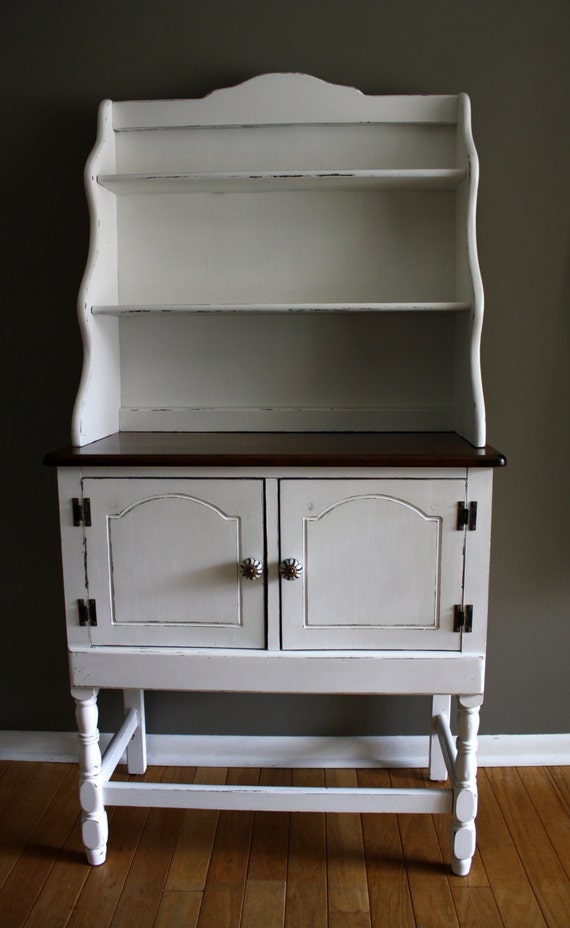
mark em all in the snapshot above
pixel 278 449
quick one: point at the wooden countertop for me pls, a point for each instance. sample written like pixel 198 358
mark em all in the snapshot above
pixel 278 449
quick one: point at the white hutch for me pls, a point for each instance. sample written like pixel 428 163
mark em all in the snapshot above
pixel 278 479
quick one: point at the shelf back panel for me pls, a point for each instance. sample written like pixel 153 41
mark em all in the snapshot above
pixel 284 148
pixel 294 247
pixel 356 362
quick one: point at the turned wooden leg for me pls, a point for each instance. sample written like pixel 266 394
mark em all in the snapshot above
pixel 94 818
pixel 465 785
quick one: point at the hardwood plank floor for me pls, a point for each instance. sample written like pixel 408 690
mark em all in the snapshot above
pixel 198 869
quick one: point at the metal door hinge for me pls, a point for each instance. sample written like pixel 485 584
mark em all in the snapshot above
pixel 87 611
pixel 81 511
pixel 467 516
pixel 463 619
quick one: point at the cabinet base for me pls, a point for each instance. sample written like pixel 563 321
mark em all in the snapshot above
pixel 98 790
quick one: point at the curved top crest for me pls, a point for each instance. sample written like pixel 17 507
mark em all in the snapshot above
pixel 283 98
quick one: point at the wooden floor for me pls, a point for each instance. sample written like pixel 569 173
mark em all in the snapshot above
pixel 198 869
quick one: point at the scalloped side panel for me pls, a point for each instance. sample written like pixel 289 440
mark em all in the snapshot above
pixel 470 402
pixel 95 412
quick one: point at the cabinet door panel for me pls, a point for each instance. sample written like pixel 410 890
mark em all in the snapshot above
pixel 163 561
pixel 382 563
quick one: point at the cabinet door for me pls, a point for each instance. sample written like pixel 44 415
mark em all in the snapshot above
pixel 163 561
pixel 382 563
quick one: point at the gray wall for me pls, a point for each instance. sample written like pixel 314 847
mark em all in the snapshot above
pixel 59 58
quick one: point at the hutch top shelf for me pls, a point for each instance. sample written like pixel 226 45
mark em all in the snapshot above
pixel 267 181
pixel 284 255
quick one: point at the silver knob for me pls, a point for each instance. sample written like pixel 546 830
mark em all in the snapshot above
pixel 251 568
pixel 291 569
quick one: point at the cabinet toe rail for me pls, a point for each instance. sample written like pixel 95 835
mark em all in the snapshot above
pixel 260 798
pixel 276 798
pixel 248 798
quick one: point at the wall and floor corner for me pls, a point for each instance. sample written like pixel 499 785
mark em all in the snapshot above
pixel 58 61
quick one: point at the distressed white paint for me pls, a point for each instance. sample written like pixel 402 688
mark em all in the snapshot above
pixel 164 561
pixel 438 764
pixel 383 563
pixel 284 98
pixel 136 748
pixel 271 799
pixel 309 148
pixel 403 673
pixel 94 825
pixel 245 309
pixel 314 246
pixel 98 399
pixel 181 520
pixel 464 783
pixel 478 556
pixel 333 202
pixel 284 182
pixel 470 403
pixel 284 419
pixel 281 254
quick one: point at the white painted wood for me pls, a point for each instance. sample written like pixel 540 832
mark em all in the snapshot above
pixel 116 748
pixel 351 371
pixel 377 246
pixel 73 555
pixel 477 559
pixel 260 671
pixel 470 415
pixel 283 419
pixel 164 561
pixel 288 148
pixel 266 181
pixel 94 826
pixel 284 254
pixel 258 308
pixel 382 563
pixel 136 749
pixel 95 412
pixel 465 805
pixel 463 848
pixel 277 798
pixel 362 205
pixel 280 472
pixel 446 742
pixel 440 715
pixel 284 98
pixel 272 580
pixel 464 785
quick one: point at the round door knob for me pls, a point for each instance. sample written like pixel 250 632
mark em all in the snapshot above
pixel 251 568
pixel 291 569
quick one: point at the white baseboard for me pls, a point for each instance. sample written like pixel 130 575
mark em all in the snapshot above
pixel 235 751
